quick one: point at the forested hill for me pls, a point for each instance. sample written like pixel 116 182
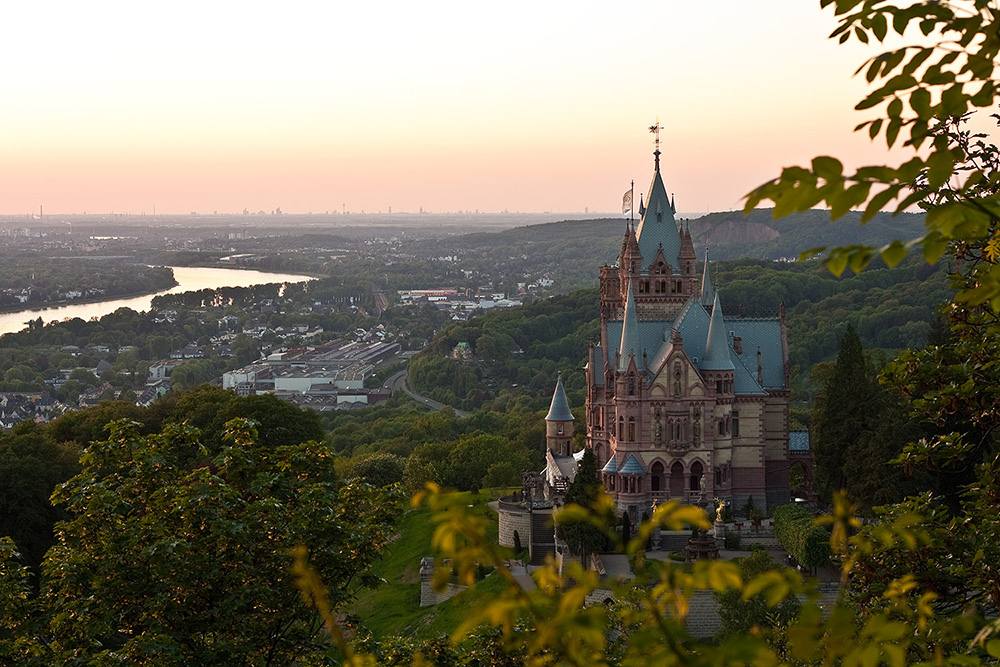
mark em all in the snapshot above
pixel 518 353
pixel 759 235
pixel 573 249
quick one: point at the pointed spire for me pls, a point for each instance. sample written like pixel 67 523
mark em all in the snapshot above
pixel 707 293
pixel 717 346
pixel 630 334
pixel 657 224
pixel 642 209
pixel 673 207
pixel 559 409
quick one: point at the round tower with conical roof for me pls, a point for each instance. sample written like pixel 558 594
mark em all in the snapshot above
pixel 559 423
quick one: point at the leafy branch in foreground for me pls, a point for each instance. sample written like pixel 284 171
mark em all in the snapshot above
pixel 920 88
pixel 553 625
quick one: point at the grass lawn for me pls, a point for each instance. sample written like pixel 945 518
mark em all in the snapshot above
pixel 394 607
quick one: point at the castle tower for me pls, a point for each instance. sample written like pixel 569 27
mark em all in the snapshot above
pixel 559 423
pixel 682 403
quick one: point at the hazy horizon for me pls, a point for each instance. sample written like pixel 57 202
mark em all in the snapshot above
pixel 319 107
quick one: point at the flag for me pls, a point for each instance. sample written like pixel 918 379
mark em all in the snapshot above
pixel 627 203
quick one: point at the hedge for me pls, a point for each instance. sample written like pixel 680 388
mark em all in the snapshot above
pixel 807 543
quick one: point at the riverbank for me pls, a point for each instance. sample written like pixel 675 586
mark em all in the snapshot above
pixel 40 308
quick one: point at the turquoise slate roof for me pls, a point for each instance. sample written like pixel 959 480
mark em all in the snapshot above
pixel 559 409
pixel 597 365
pixel 658 226
pixel 707 293
pixel 717 347
pixel 744 379
pixel 693 323
pixel 798 441
pixel 764 334
pixel 632 466
pixel 610 466
pixel 630 341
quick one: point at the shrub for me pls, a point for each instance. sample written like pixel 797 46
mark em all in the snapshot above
pixel 807 543
pixel 732 541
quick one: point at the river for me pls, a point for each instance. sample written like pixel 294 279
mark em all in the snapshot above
pixel 189 279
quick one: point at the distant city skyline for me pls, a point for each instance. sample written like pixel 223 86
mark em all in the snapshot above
pixel 446 106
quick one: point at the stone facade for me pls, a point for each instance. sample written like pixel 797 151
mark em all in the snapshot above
pixel 683 402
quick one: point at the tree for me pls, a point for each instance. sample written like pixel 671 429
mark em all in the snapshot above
pixel 180 564
pixel 842 413
pixel 741 615
pixel 31 465
pixel 379 469
pixel 925 88
pixel 582 533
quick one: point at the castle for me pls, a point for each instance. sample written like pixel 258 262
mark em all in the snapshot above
pixel 683 402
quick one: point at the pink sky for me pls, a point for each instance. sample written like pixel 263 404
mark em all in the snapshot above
pixel 307 106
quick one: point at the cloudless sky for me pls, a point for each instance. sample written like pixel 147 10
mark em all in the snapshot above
pixel 313 105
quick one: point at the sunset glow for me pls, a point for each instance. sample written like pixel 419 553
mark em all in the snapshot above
pixel 314 106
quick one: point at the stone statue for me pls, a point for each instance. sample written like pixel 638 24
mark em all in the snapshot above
pixel 657 431
pixel 696 428
pixel 677 387
pixel 718 510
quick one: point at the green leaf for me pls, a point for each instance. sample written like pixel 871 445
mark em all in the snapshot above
pixel 920 102
pixel 836 262
pixel 940 166
pixel 893 253
pixel 827 168
pixel 993 648
pixel 879 26
pixel 895 108
pixel 892 131
pixel 875 127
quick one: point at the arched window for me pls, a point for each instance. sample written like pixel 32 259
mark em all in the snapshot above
pixel 621 428
pixel 631 385
pixel 696 472
pixel 677 480
pixel 631 429
pixel 656 477
pixel 736 424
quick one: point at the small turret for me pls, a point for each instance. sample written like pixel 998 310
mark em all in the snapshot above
pixel 559 423
pixel 630 335
pixel 707 293
pixel 717 347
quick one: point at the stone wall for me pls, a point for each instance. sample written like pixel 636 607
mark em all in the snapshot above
pixel 428 596
pixel 513 517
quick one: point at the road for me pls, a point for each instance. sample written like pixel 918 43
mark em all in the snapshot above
pixel 398 382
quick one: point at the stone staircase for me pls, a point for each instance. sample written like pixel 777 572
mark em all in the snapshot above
pixel 543 538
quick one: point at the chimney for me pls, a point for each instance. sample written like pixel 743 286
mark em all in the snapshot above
pixel 738 344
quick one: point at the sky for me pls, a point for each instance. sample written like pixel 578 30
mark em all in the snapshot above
pixel 313 106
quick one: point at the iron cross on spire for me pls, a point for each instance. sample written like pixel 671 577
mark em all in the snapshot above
pixel 655 129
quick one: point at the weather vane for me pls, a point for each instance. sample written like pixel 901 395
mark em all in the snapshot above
pixel 655 129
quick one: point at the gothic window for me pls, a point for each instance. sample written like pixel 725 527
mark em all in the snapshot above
pixel 718 386
pixel 631 385
pixel 722 427
pixel 663 286
pixel 559 429
pixel 631 429
pixel 656 478
pixel 621 428
pixel 736 424
pixel 696 472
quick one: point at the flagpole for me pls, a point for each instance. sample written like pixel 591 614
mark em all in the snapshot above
pixel 631 212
